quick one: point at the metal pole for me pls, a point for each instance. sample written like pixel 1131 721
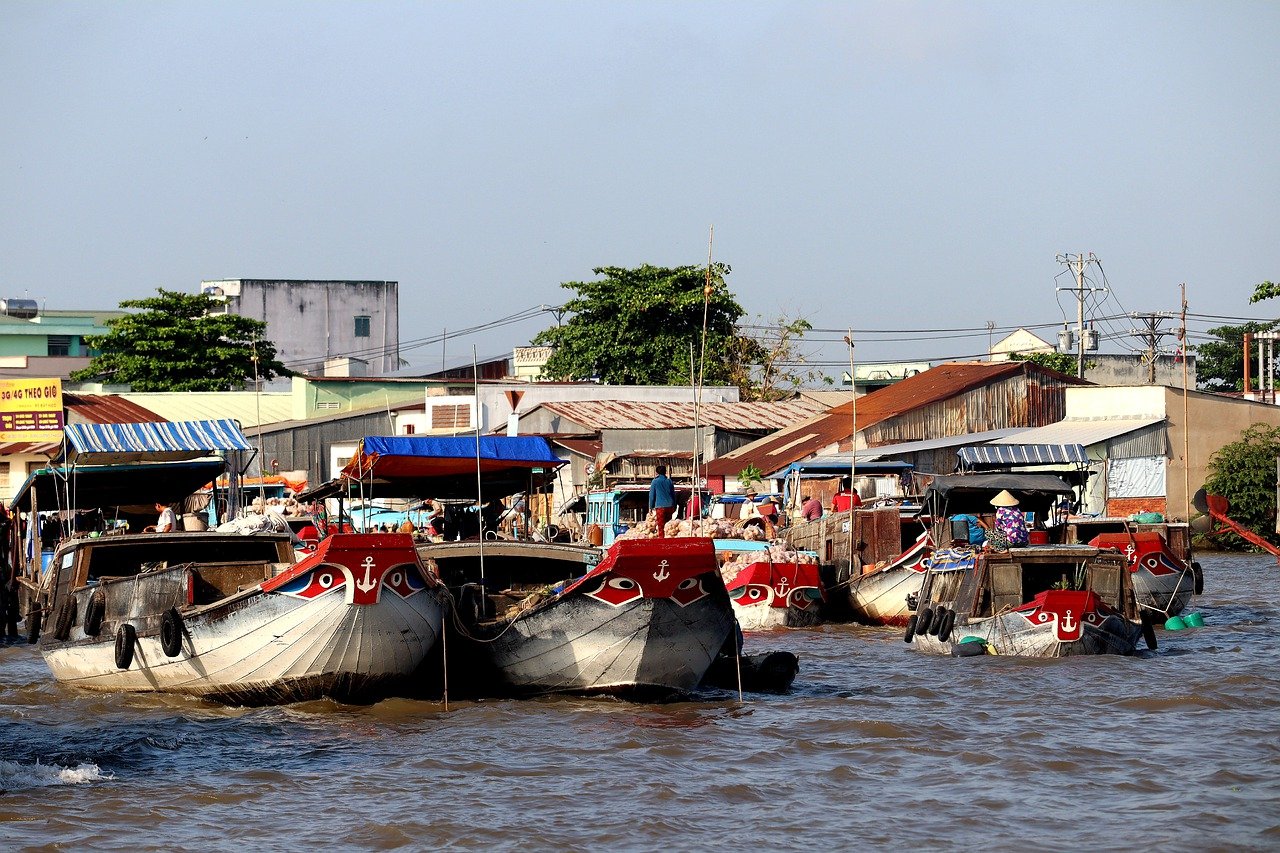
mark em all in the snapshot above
pixel 853 443
pixel 1186 420
pixel 1080 316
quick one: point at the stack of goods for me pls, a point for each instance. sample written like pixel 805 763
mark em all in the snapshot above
pixel 773 554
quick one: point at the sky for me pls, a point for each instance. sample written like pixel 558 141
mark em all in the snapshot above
pixel 910 171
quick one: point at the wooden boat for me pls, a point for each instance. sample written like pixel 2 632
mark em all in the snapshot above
pixel 1043 601
pixel 645 622
pixel 644 619
pixel 768 594
pixel 881 596
pixel 1162 582
pixel 232 618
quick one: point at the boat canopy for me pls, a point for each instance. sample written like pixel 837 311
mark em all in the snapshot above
pixel 101 487
pixel 972 493
pixel 977 457
pixel 834 466
pixel 161 441
pixel 444 467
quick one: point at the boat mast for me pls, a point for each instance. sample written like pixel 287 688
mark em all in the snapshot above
pixel 853 443
pixel 475 410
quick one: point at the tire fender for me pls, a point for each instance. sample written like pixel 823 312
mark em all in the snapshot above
pixel 947 622
pixel 924 620
pixel 1148 630
pixel 171 631
pixel 94 611
pixel 126 637
pixel 66 618
pixel 911 630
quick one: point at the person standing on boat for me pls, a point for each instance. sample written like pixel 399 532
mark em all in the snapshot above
pixel 662 499
pixel 811 508
pixel 168 522
pixel 1010 529
pixel 845 499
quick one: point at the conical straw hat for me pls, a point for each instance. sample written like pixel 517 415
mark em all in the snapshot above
pixel 1004 499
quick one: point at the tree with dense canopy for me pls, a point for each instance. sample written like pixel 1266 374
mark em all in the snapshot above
pixel 635 327
pixel 1220 363
pixel 177 343
pixel 1244 472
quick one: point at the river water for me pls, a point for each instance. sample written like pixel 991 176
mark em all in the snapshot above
pixel 877 747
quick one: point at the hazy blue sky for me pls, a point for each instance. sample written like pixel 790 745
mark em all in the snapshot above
pixel 874 165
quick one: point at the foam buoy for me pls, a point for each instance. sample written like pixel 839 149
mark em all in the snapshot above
pixel 1193 620
pixel 969 647
pixel 1174 623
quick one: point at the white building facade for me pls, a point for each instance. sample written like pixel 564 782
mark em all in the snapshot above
pixel 313 323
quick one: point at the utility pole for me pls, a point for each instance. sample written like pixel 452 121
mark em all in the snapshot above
pixel 1077 264
pixel 1151 334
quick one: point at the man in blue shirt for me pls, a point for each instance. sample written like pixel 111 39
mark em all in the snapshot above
pixel 662 499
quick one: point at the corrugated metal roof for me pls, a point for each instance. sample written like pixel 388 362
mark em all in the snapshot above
pixel 631 414
pixel 933 443
pixel 1084 431
pixel 581 446
pixel 246 407
pixel 943 382
pixel 106 409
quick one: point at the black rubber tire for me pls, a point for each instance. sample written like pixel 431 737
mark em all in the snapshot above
pixel 911 630
pixel 924 620
pixel 33 624
pixel 944 628
pixel 66 618
pixel 171 629
pixel 936 622
pixel 1148 630
pixel 1198 574
pixel 126 636
pixel 94 611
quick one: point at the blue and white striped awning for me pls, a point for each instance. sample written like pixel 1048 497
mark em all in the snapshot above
pixel 999 455
pixel 163 441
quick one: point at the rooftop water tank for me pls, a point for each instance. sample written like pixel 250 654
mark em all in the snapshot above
pixel 23 309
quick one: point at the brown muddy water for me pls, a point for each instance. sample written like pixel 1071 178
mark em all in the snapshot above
pixel 877 747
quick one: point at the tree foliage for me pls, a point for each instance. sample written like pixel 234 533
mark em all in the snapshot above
pixel 1220 363
pixel 176 343
pixel 1244 472
pixel 771 364
pixel 639 327
pixel 1063 362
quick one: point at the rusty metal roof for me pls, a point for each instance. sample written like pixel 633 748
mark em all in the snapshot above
pixel 802 440
pixel 630 414
pixel 106 409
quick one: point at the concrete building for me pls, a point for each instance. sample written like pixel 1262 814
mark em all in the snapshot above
pixel 36 342
pixel 1149 449
pixel 345 324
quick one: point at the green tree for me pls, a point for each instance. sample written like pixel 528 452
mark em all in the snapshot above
pixel 636 326
pixel 177 343
pixel 1244 472
pixel 1063 362
pixel 1220 363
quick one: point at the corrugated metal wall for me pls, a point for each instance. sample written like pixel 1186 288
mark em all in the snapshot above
pixel 1018 401
pixel 306 447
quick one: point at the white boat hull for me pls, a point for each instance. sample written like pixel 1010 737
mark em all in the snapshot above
pixel 271 648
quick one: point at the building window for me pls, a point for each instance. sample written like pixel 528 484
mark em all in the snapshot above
pixel 59 345
pixel 4 477
pixel 362 327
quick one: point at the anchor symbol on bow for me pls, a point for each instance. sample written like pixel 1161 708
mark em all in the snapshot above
pixel 782 587
pixel 368 582
pixel 662 574
pixel 1068 624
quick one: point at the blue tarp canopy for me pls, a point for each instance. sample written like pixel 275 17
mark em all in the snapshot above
pixel 162 441
pixel 834 466
pixel 1004 455
pixel 426 466
pixel 107 486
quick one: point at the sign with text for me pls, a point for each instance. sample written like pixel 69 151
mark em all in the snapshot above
pixel 31 410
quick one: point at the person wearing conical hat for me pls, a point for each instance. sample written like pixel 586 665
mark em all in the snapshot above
pixel 1010 528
